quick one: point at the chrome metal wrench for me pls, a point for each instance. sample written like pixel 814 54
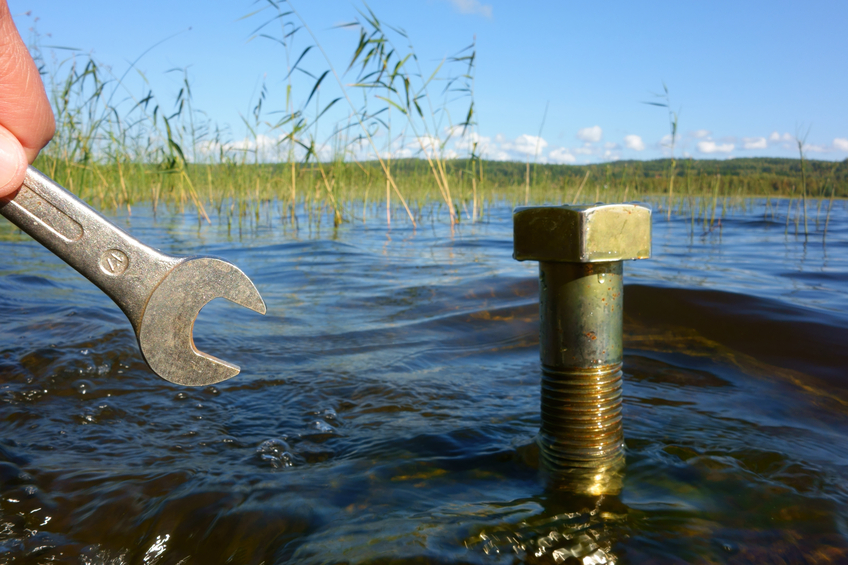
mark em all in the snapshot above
pixel 160 294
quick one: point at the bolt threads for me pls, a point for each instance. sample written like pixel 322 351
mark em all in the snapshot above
pixel 581 419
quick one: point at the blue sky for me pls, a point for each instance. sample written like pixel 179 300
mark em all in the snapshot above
pixel 746 77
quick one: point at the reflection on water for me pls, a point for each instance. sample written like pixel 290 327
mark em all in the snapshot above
pixel 390 399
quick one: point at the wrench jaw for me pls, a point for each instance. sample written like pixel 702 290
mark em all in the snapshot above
pixel 165 332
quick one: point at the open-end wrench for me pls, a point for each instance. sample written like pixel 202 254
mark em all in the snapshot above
pixel 160 294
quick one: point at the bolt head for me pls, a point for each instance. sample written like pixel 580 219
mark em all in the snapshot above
pixel 582 234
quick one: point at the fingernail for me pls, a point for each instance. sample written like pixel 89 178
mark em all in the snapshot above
pixel 12 163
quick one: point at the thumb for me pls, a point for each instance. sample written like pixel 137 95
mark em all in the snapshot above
pixel 13 163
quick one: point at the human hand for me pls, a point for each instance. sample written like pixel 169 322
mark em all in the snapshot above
pixel 26 119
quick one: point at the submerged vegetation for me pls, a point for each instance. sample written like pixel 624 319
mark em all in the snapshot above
pixel 393 150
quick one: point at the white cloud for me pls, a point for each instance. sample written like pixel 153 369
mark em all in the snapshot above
pixel 526 144
pixel 754 143
pixel 813 148
pixel 472 7
pixel 775 137
pixel 590 135
pixel 585 150
pixel 634 142
pixel 713 147
pixel 454 131
pixel 259 143
pixel 561 155
pixel 610 145
pixel 402 153
pixel 840 144
pixel 466 143
pixel 429 144
pixel 264 148
pixel 701 134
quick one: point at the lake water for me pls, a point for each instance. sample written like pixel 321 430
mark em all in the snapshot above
pixel 388 403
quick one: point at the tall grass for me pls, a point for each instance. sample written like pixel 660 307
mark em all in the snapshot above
pixel 673 120
pixel 116 148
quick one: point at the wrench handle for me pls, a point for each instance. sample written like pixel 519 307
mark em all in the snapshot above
pixel 121 266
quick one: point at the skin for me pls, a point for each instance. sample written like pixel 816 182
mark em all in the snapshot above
pixel 26 119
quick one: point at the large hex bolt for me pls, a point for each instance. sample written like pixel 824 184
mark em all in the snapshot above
pixel 580 250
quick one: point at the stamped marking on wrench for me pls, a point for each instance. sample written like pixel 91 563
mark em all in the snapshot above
pixel 114 262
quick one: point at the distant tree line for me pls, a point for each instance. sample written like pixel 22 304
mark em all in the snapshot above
pixel 752 175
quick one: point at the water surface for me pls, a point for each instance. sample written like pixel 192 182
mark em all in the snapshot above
pixel 389 400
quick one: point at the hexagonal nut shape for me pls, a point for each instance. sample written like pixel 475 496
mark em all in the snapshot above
pixel 582 234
